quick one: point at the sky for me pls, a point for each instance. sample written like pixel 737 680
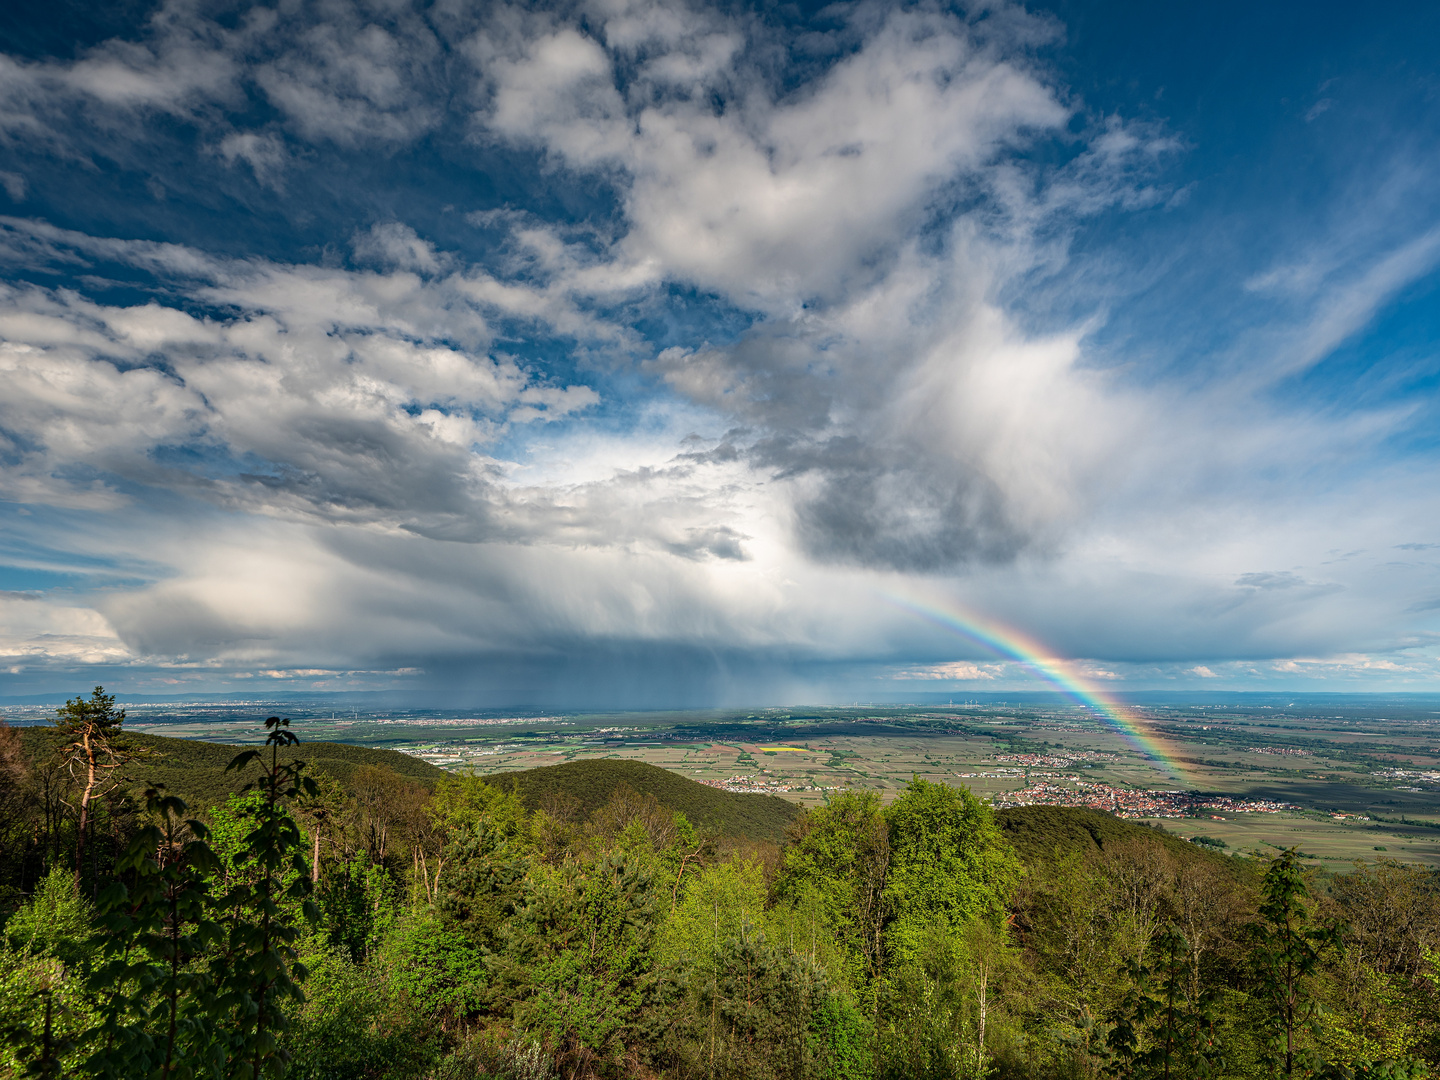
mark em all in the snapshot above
pixel 626 354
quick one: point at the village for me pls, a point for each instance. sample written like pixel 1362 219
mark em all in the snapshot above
pixel 1134 802
pixel 749 785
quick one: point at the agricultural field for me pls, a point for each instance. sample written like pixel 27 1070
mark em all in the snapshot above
pixel 1341 780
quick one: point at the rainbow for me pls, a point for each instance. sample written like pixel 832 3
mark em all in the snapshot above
pixel 1060 673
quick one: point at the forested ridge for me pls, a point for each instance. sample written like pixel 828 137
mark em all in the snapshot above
pixel 311 911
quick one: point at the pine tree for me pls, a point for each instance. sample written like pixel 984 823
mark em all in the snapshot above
pixel 1158 1031
pixel 1286 955
pixel 91 746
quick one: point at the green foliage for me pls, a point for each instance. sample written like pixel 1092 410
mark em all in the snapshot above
pixel 89 739
pixel 353 1025
pixel 94 717
pixel 949 865
pixel 196 771
pixel 592 783
pixel 719 904
pixel 358 904
pixel 582 923
pixel 946 1009
pixel 1040 833
pixel 42 1016
pixel 579 958
pixel 434 971
pixel 158 1012
pixel 1159 1031
pixel 260 972
pixel 468 803
pixel 770 1014
pixel 55 922
pixel 484 879
pixel 834 867
pixel 1286 957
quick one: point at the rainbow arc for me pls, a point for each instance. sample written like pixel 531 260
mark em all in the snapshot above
pixel 1040 661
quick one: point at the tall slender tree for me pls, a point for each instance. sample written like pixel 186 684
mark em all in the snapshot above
pixel 93 750
pixel 261 970
pixel 1288 950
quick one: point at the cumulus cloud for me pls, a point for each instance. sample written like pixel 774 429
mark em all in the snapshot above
pixel 37 632
pixel 330 393
pixel 956 670
pixel 885 384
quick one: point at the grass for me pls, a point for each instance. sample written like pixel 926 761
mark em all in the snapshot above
pixel 1339 844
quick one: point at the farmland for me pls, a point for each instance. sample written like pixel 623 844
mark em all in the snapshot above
pixel 1342 780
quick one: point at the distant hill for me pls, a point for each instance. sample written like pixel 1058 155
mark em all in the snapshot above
pixel 1038 832
pixel 758 817
pixel 195 770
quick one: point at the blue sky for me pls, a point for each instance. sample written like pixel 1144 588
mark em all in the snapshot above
pixel 619 353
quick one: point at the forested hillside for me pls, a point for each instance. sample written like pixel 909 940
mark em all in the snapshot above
pixel 589 785
pixel 196 771
pixel 318 911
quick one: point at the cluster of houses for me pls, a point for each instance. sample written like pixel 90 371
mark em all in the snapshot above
pixel 1134 802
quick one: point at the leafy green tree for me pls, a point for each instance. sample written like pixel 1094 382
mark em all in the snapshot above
pixel 20 838
pixel 33 1053
pixel 259 971
pixel 435 970
pixel 835 864
pixel 55 922
pixel 462 802
pixel 944 1007
pixel 717 905
pixel 357 902
pixel 158 1012
pixel 768 1012
pixel 1286 956
pixel 355 1023
pixel 949 865
pixel 578 960
pixel 483 882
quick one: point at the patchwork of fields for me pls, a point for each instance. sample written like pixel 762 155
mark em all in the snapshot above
pixel 1362 783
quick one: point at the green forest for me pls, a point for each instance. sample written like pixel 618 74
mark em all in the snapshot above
pixel 189 910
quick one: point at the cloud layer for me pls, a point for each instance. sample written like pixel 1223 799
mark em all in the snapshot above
pixel 641 351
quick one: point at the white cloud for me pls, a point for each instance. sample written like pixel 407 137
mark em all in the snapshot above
pixel 37 632
pixel 955 670
pixel 326 385
pixel 396 245
pixel 265 154
pixel 349 80
pixel 781 198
